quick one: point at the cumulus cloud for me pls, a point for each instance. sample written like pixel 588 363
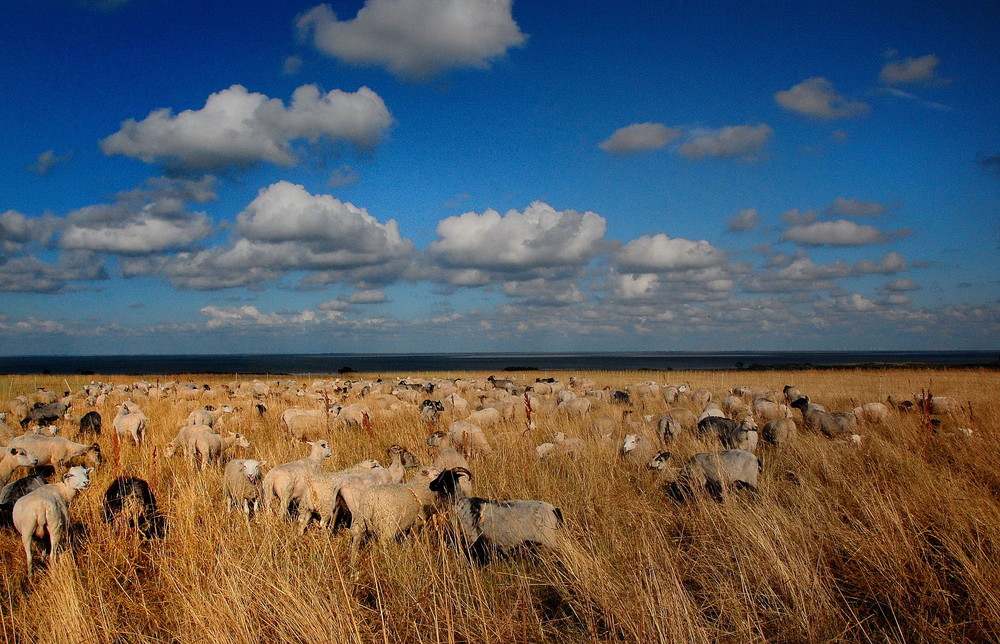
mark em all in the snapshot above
pixel 31 275
pixel 901 285
pixel 544 292
pixel 286 228
pixel 816 97
pixel 796 217
pixel 742 142
pixel 640 137
pixel 843 207
pixel 743 221
pixel 800 273
pixel 518 242
pixel 912 70
pixel 660 253
pixel 834 233
pixel 48 160
pixel 416 38
pixel 368 296
pixel 238 128
pixel 147 220
pixel 17 229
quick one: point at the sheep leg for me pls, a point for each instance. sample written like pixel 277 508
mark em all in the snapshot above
pixel 26 539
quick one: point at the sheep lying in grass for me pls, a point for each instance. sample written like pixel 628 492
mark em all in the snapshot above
pixel 242 486
pixel 712 471
pixel 45 511
pixel 488 527
pixel 390 511
pixel 288 483
pixel 56 450
pixel 129 499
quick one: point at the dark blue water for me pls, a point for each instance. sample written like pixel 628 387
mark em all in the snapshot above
pixel 301 364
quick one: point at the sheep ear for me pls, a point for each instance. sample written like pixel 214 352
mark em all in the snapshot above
pixel 261 463
pixel 89 470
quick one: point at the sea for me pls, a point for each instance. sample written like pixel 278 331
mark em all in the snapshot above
pixel 343 363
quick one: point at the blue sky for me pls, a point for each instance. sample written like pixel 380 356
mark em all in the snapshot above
pixel 481 175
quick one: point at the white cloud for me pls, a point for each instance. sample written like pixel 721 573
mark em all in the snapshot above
pixel 147 220
pixel 17 229
pixel 816 97
pixel 368 296
pixel 900 285
pixel 796 217
pixel 743 142
pixel 285 228
pixel 249 317
pixel 237 128
pixel 912 70
pixel 416 38
pixel 31 275
pixel 640 137
pixel 743 221
pixel 834 233
pixel 843 207
pixel 659 253
pixel 539 237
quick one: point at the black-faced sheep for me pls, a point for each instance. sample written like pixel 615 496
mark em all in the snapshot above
pixel 488 527
pixel 831 424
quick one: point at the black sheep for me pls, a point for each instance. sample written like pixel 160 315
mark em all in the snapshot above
pixel 128 490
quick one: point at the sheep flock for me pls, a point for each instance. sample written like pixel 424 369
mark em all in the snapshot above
pixel 848 505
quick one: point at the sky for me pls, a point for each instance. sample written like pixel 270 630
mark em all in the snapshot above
pixel 428 176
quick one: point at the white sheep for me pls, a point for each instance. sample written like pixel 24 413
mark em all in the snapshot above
pixel 447 455
pixel 302 424
pixel 469 437
pixel 779 431
pixel 574 407
pixel 242 486
pixel 207 447
pixel 56 450
pixel 489 527
pixel 871 413
pixel 321 498
pixel 130 421
pixel 560 447
pixel 356 416
pixel 289 482
pixel 45 511
pixel 182 441
pixel 392 510
pixel 349 488
pixel 13 457
pixel 208 416
pixel 486 417
pixel 637 450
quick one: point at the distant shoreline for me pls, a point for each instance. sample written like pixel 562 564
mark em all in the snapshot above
pixel 305 364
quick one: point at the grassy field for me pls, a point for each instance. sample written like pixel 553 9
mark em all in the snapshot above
pixel 897 539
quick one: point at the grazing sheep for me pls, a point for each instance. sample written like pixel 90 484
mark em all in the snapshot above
pixel 56 450
pixel 716 426
pixel 701 397
pixel 670 395
pixel 902 406
pixel 620 397
pixel 45 413
pixel 668 429
pixel 208 416
pixel 130 497
pixel 575 407
pixel 938 405
pixel 45 511
pixel 792 394
pixel 288 483
pixel 486 417
pixel 469 438
pixel 831 424
pixel 392 510
pixel 302 424
pixel 356 416
pixel 448 456
pixel 779 432
pixel 349 489
pixel 321 499
pixel 456 404
pixel 684 417
pixel 208 447
pixel 182 441
pixel 90 424
pixel 637 450
pixel 871 413
pixel 489 528
pixel 430 411
pixel 768 410
pixel 561 447
pixel 13 457
pixel 605 425
pixel 713 471
pixel 130 423
pixel 242 486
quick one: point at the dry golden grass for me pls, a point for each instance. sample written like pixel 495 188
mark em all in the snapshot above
pixel 895 540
